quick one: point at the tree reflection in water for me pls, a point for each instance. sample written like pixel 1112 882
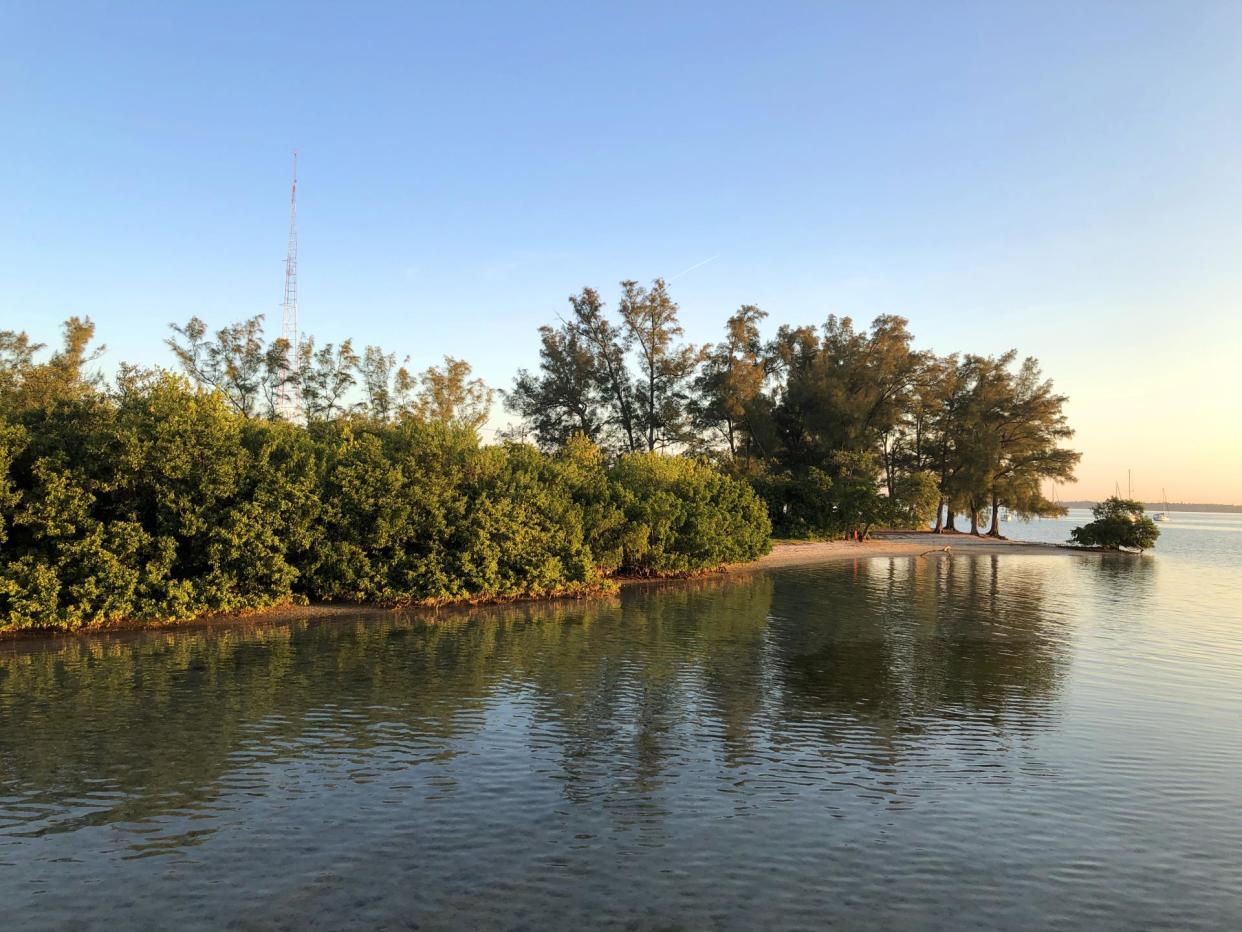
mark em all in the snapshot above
pixel 787 676
pixel 833 744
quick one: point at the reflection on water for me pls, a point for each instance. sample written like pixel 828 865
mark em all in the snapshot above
pixel 938 742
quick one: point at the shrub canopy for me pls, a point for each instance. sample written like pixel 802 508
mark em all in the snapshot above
pixel 1120 523
pixel 162 502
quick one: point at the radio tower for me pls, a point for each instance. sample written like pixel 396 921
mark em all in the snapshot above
pixel 287 399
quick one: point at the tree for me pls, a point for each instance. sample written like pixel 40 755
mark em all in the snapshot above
pixel 838 392
pixel 608 345
pixel 324 377
pixel 841 389
pixel 563 399
pixel 858 504
pixel 449 396
pixel 1004 439
pixel 386 386
pixel 946 397
pixel 1029 429
pixel 909 446
pixel 983 417
pixel 26 384
pixel 830 412
pixel 729 390
pixel 627 384
pixel 1120 523
pixel 237 363
pixel 913 501
pixel 662 388
pixel 16 360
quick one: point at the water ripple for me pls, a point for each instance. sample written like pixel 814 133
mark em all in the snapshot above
pixel 972 742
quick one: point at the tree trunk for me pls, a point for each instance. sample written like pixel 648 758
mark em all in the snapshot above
pixel 752 440
pixel 950 519
pixel 994 530
pixel 974 518
pixel 890 480
pixel 651 400
pixel 939 516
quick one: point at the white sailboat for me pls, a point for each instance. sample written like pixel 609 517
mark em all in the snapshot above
pixel 1163 515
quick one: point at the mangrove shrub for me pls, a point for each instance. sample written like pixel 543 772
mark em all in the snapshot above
pixel 1120 523
pixel 161 501
pixel 681 515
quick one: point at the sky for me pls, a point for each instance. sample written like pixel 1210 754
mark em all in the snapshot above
pixel 1063 178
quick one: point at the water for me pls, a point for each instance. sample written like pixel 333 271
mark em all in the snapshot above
pixel 981 741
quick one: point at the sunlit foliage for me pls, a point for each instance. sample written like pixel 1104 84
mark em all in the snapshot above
pixel 161 499
pixel 839 428
pixel 1120 524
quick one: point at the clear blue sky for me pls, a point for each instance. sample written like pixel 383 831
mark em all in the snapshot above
pixel 1061 177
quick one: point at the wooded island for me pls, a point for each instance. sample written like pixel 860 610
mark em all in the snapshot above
pixel 263 473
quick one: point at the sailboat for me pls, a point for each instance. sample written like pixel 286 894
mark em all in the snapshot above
pixel 1163 515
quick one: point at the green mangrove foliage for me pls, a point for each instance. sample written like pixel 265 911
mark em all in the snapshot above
pixel 681 514
pixel 159 499
pixel 1120 524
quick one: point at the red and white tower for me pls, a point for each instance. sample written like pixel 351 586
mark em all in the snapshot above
pixel 287 401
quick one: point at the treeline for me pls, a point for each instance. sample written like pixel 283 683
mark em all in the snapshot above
pixel 264 473
pixel 311 384
pixel 161 497
pixel 839 429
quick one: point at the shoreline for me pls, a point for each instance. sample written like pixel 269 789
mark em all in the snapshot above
pixel 784 553
pixel 904 544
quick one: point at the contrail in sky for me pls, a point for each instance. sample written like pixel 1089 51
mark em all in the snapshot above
pixel 693 267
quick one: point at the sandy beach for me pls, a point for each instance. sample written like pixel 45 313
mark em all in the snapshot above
pixel 900 543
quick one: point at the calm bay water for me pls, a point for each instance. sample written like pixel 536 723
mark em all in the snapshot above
pixel 979 741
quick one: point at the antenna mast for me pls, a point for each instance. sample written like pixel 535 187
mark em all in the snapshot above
pixel 287 402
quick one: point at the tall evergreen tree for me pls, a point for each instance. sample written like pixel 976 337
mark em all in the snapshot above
pixel 564 397
pixel 325 377
pixel 729 390
pixel 448 395
pixel 27 384
pixel 1028 429
pixel 386 385
pixel 666 366
pixel 608 345
pixel 841 389
pixel 238 363
pixel 947 396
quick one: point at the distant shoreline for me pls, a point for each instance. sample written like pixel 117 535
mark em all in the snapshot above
pixel 1188 507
